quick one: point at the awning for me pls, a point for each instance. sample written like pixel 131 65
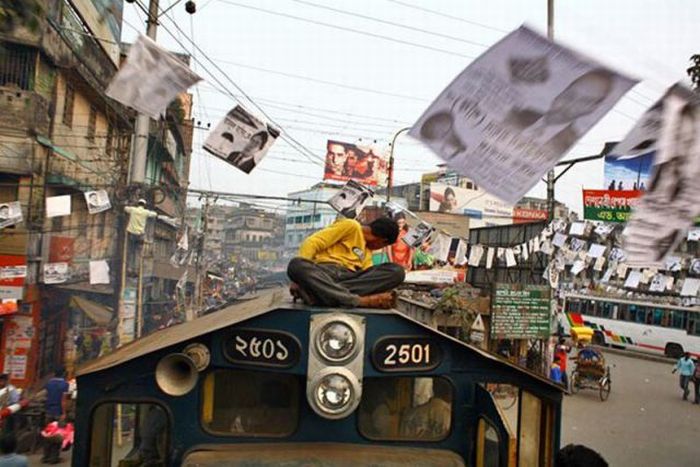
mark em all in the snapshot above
pixel 85 286
pixel 100 314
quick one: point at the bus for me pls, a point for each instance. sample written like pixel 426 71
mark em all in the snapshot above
pixel 269 382
pixel 656 328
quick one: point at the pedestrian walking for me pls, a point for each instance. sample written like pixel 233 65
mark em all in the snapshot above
pixel 685 367
pixel 555 372
pixel 56 390
pixel 562 353
pixel 696 382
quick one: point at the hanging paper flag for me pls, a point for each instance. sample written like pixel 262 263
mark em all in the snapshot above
pixel 351 199
pixel 672 264
pixel 599 263
pixel 510 258
pixel 461 254
pixel 241 139
pixel 477 251
pixel 97 201
pixel 604 229
pixel 632 281
pixel 690 287
pixel 99 272
pixel 658 283
pixel 417 235
pixel 577 228
pixel 55 273
pixel 607 275
pixel 693 235
pixel 525 253
pixel 150 79
pixel 536 244
pixel 515 110
pixel 617 254
pixel 669 282
pixel 440 248
pixel 10 214
pixel 182 281
pixel 577 267
pixel 622 270
pixel 489 257
pixel 669 206
pixel 647 275
pixel 596 250
pixel 577 244
pixel 559 240
pixel 58 206
pixel 547 248
pixel 694 267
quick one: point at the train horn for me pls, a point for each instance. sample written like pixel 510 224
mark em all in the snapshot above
pixel 176 374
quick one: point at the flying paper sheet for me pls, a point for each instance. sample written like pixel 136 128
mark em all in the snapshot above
pixel 241 139
pixel 99 272
pixel 632 281
pixel 461 254
pixel 599 263
pixel 417 235
pixel 150 79
pixel 475 255
pixel 658 283
pixel 690 287
pixel 489 258
pixel 559 240
pixel 510 258
pixel 440 248
pixel 694 267
pixel 351 199
pixel 669 206
pixel 577 228
pixel 577 267
pixel 524 251
pixel 58 206
pixel 515 110
pixel 10 214
pixel 596 250
pixel 97 201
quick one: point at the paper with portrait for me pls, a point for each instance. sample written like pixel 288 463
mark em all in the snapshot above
pixel 10 214
pixel 669 206
pixel 241 139
pixel 97 201
pixel 351 199
pixel 516 110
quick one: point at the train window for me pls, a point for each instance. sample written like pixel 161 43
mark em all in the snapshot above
pixel 530 424
pixel 406 408
pixel 250 403
pixel 487 445
pixel 129 434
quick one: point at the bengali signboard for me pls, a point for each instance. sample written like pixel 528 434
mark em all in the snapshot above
pixel 520 311
pixel 609 205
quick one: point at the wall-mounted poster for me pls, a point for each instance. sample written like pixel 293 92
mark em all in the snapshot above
pixel 10 214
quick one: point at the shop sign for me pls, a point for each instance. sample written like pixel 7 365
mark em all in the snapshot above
pixel 609 205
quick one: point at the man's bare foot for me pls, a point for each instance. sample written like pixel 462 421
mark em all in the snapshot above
pixel 300 294
pixel 383 301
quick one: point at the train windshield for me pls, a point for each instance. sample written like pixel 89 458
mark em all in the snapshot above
pixel 406 408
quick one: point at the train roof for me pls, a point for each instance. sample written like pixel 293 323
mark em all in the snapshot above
pixel 268 301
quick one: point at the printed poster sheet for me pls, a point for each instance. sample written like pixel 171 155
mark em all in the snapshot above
pixel 10 214
pixel 97 201
pixel 669 206
pixel 241 139
pixel 514 111
pixel 351 199
pixel 368 165
pixel 150 79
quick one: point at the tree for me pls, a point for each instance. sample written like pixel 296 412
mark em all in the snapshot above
pixel 14 13
pixel 694 71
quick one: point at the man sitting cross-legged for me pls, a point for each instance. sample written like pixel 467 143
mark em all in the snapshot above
pixel 334 266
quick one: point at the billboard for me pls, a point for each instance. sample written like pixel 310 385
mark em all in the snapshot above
pixel 367 165
pixel 526 215
pixel 609 205
pixel 628 172
pixel 482 208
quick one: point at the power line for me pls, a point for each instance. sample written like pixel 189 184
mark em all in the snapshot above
pixel 445 15
pixel 347 29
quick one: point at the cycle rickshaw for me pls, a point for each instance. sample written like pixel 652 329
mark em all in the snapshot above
pixel 590 371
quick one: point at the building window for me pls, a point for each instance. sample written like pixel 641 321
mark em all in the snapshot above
pixel 109 144
pixel 298 219
pixel 92 122
pixel 307 219
pixel 17 65
pixel 317 217
pixel 68 106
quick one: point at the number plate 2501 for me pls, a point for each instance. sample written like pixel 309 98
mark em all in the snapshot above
pixel 405 353
pixel 262 347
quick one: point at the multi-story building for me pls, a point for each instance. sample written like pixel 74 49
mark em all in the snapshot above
pixel 305 218
pixel 254 234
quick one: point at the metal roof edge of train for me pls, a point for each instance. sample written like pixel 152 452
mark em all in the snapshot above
pixel 237 313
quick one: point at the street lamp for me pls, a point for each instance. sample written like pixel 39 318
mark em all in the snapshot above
pixel 391 163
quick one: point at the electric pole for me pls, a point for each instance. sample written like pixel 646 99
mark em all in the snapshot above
pixel 550 174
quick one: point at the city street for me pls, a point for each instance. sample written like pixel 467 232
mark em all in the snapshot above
pixel 644 422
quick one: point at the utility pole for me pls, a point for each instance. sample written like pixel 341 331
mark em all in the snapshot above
pixel 390 183
pixel 550 174
pixel 198 292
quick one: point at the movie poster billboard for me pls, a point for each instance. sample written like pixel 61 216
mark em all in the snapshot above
pixel 241 139
pixel 609 205
pixel 482 208
pixel 367 165
pixel 516 110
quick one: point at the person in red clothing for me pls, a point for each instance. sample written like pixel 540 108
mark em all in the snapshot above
pixel 399 252
pixel 562 353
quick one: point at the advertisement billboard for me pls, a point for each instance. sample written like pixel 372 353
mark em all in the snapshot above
pixel 609 205
pixel 482 208
pixel 630 172
pixel 367 165
pixel 526 215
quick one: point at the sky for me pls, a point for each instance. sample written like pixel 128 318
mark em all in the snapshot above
pixel 305 65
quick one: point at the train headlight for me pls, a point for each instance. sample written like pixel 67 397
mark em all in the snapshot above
pixel 334 393
pixel 336 341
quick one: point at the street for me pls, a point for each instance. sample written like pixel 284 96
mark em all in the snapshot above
pixel 643 423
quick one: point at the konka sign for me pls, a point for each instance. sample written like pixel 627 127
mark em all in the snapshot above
pixel 525 216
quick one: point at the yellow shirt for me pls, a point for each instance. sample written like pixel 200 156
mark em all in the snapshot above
pixel 341 243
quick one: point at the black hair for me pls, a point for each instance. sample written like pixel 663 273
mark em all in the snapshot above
pixel 264 138
pixel 385 228
pixel 4 377
pixel 399 215
pixel 449 191
pixel 60 373
pixel 8 443
pixel 576 455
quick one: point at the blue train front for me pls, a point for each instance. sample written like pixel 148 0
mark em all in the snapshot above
pixel 267 383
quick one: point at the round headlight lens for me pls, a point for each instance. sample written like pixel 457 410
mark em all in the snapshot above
pixel 336 341
pixel 334 393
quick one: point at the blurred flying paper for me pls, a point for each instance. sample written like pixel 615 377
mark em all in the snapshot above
pixel 577 228
pixel 524 251
pixel 475 255
pixel 241 139
pixel 150 79
pixel 516 110
pixel 596 250
pixel 440 248
pixel 672 264
pixel 58 206
pixel 644 135
pixel 599 263
pixel 489 257
pixel 559 240
pixel 417 235
pixel 577 267
pixel 99 272
pixel 622 270
pixel 461 253
pixel 690 287
pixel 351 199
pixel 658 283
pixel 510 258
pixel 97 201
pixel 604 229
pixel 669 206
pixel 670 280
pixel 632 281
pixel 10 214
